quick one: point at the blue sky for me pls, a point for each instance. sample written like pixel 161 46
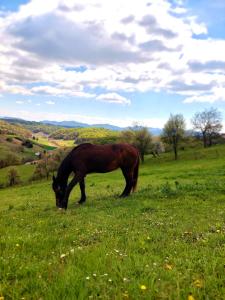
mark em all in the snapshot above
pixel 111 61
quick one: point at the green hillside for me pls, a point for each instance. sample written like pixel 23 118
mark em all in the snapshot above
pixel 32 126
pixel 166 241
pixel 14 129
pixel 14 152
pixel 98 135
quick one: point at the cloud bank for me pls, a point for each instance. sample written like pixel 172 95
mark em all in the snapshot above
pixel 99 49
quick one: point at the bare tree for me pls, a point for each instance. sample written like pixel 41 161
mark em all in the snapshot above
pixel 13 177
pixel 208 122
pixel 173 132
pixel 140 137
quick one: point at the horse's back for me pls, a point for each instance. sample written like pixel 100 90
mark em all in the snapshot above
pixel 104 158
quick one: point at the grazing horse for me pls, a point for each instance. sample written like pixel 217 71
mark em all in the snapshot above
pixel 88 158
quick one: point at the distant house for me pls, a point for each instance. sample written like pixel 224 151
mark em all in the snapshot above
pixel 38 154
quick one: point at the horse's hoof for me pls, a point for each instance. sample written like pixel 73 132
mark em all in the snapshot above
pixel 123 196
pixel 61 209
pixel 80 202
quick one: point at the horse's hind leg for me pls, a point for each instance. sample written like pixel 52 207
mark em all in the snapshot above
pixel 82 189
pixel 128 174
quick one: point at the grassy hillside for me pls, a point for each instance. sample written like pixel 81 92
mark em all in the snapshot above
pixel 24 171
pixel 14 129
pixel 12 151
pixel 32 126
pixel 97 135
pixel 164 242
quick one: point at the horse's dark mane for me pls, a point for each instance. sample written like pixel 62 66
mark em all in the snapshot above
pixel 65 164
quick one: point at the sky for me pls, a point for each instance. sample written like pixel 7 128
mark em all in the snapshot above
pixel 118 62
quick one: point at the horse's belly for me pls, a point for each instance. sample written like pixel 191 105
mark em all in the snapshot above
pixel 104 169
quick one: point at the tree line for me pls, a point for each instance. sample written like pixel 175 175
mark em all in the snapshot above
pixel 206 126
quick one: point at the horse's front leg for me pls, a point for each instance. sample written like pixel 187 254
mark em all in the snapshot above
pixel 82 189
pixel 77 178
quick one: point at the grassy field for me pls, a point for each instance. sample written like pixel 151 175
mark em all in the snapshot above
pixel 25 172
pixel 166 241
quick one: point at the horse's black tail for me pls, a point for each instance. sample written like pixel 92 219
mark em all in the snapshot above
pixel 135 174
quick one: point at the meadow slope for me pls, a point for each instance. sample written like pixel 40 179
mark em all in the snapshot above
pixel 164 242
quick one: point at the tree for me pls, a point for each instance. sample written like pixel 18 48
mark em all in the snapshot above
pixel 45 166
pixel 13 177
pixel 208 122
pixel 140 137
pixel 173 132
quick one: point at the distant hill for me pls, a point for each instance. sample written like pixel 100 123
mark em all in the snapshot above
pixel 74 124
pixel 33 126
pixel 49 127
pixel 69 124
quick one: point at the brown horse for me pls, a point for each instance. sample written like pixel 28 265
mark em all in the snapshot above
pixel 87 158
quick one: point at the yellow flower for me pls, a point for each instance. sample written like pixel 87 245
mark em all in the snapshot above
pixel 168 267
pixel 198 283
pixel 2 298
pixel 190 297
pixel 125 294
pixel 143 287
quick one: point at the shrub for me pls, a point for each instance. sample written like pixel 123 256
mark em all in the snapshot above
pixel 13 177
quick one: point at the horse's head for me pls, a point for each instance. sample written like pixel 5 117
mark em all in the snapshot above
pixel 59 190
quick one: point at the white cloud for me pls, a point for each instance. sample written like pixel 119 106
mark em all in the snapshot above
pixel 125 46
pixel 19 102
pixel 50 102
pixel 113 98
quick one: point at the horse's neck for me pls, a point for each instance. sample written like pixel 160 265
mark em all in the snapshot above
pixel 64 171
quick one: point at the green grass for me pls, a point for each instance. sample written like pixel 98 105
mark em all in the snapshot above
pixel 169 236
pixel 24 171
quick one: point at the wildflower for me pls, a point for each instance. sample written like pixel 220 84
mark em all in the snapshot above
pixel 190 297
pixel 143 287
pixel 72 250
pixel 125 279
pixel 2 298
pixel 110 280
pixel 17 245
pixel 105 274
pixel 168 267
pixel 94 275
pixel 198 283
pixel 62 256
pixel 87 277
pixel 125 294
